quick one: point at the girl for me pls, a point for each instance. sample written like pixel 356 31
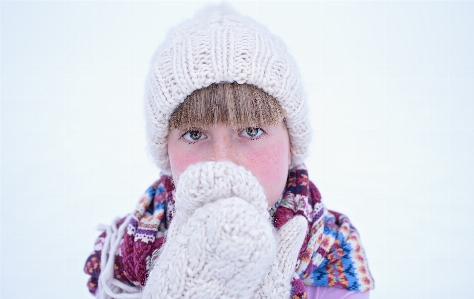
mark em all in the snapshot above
pixel 234 214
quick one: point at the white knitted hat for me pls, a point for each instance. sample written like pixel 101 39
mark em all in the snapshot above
pixel 220 45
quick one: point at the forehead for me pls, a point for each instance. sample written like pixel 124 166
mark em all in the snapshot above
pixel 233 104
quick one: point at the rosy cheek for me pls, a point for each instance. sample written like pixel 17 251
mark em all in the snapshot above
pixel 179 161
pixel 270 166
pixel 181 155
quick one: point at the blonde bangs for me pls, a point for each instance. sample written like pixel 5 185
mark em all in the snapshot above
pixel 232 104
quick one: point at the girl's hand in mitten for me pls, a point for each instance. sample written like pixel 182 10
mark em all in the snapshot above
pixel 276 282
pixel 220 242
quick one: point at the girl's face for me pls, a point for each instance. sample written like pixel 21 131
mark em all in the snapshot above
pixel 265 151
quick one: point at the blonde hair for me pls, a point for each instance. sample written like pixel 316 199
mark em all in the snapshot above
pixel 233 104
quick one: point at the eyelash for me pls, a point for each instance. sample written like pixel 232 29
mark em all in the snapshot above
pixel 257 137
pixel 195 141
pixel 191 130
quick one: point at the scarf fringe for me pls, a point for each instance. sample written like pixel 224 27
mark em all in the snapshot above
pixel 332 254
pixel 110 287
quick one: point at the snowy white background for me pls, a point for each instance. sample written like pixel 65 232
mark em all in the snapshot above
pixel 391 92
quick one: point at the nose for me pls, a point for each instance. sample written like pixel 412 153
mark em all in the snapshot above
pixel 223 148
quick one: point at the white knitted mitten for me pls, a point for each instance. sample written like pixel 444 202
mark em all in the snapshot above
pixel 276 282
pixel 220 242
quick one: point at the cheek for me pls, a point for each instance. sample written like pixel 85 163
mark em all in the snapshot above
pixel 180 160
pixel 270 166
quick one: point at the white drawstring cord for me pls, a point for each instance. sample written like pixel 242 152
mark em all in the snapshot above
pixel 110 287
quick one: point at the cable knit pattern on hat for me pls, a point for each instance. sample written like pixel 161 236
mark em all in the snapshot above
pixel 220 45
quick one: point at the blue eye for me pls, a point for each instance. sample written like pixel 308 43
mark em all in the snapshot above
pixel 251 132
pixel 193 135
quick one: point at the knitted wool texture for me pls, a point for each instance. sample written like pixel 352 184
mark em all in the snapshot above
pixel 221 242
pixel 219 45
pixel 331 254
pixel 220 209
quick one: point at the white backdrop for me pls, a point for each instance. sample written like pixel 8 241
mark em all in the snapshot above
pixel 391 92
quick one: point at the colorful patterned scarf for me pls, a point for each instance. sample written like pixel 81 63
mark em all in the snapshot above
pixel 332 254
